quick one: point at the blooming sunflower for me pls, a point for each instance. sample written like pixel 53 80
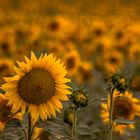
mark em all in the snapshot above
pixel 98 28
pixel 72 61
pixel 5 69
pixel 84 72
pixel 60 27
pixel 7 42
pixel 134 52
pixel 55 47
pixel 125 107
pixel 5 112
pixel 113 61
pixel 134 82
pixel 39 85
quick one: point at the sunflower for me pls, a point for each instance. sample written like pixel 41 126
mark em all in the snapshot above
pixel 97 47
pixel 5 69
pixel 7 42
pixel 60 27
pixel 19 53
pixel 84 73
pixel 134 82
pixel 72 61
pixel 98 28
pixel 82 31
pixel 125 106
pixel 110 62
pixel 55 47
pixel 134 52
pixel 39 85
pixel 34 32
pixel 123 39
pixel 5 112
pixel 113 61
pixel 134 28
pixel 21 34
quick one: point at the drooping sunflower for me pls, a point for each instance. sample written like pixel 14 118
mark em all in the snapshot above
pixel 5 113
pixel 125 106
pixel 38 86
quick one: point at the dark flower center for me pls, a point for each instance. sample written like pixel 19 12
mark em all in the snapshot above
pixel 113 60
pixel 37 86
pixel 122 107
pixel 4 111
pixel 3 67
pixel 70 63
pixel 5 46
pixel 98 32
pixel 54 26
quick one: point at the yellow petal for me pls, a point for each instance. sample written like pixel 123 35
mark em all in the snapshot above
pixel 52 111
pixel 62 96
pixel 42 113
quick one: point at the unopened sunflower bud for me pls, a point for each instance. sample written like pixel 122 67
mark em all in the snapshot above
pixel 79 98
pixel 119 82
pixel 68 117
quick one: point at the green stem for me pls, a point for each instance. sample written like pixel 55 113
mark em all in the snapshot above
pixel 29 127
pixel 111 106
pixel 74 133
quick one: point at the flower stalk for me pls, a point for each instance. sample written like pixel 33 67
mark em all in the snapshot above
pixel 29 127
pixel 110 128
pixel 74 130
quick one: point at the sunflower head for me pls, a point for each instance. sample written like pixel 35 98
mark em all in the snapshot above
pixel 79 98
pixel 38 86
pixel 54 25
pixel 5 69
pixel 60 27
pixel 110 61
pixel 120 82
pixel 119 34
pixel 84 73
pixel 72 61
pixel 125 107
pixel 98 28
pixel 5 112
pixel 134 82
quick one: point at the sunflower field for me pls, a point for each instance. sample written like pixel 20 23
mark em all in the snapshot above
pixel 69 70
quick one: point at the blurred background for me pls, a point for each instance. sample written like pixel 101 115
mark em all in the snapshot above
pixel 93 39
